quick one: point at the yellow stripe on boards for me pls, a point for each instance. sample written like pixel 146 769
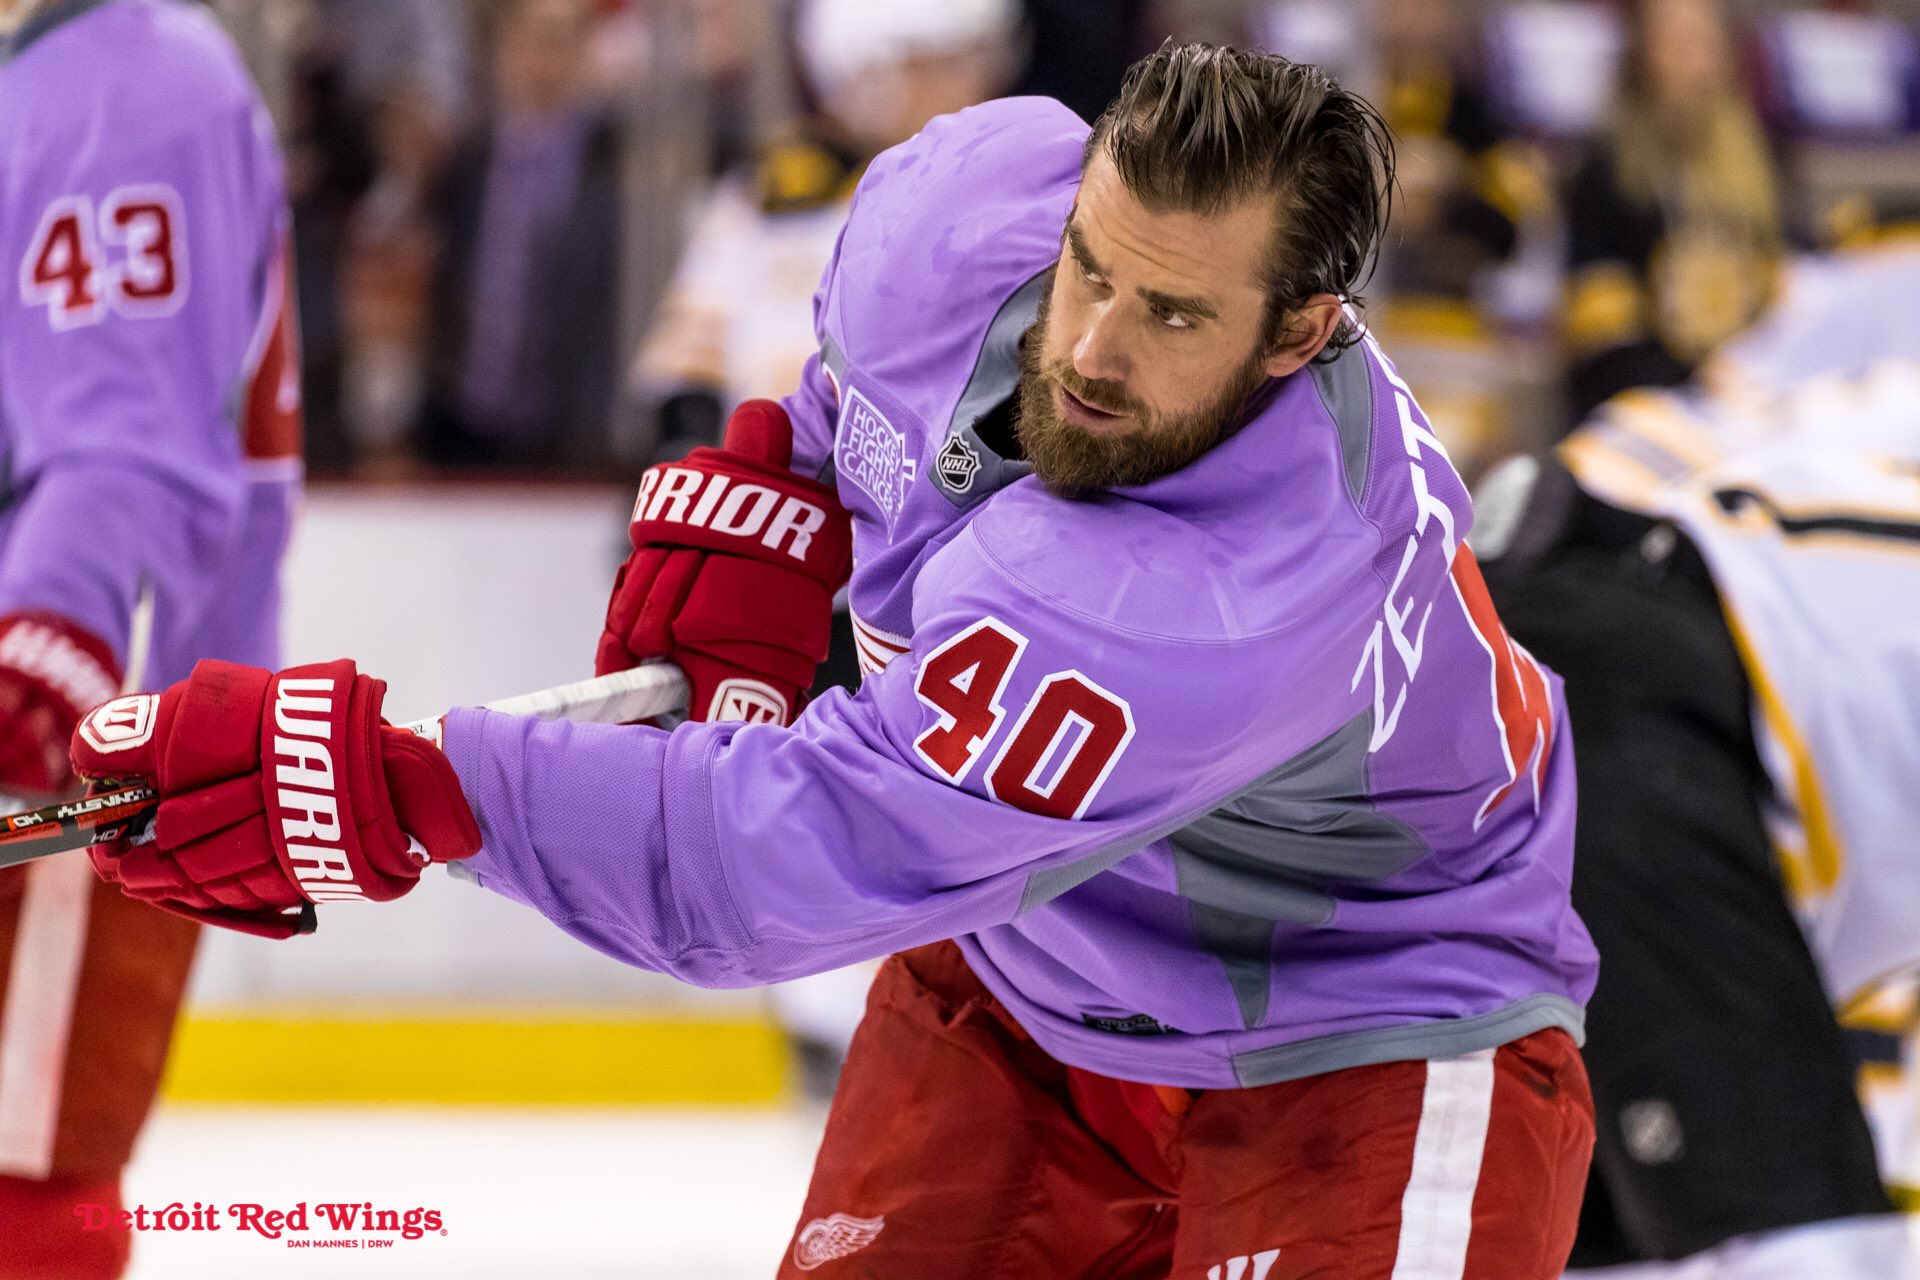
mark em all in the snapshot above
pixel 466 1058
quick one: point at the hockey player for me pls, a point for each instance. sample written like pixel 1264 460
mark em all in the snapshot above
pixel 1721 578
pixel 737 321
pixel 149 426
pixel 1189 724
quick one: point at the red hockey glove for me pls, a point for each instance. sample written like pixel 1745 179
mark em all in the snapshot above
pixel 51 671
pixel 735 562
pixel 275 791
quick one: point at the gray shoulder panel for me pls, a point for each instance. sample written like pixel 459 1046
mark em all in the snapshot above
pixel 1268 854
pixel 1244 946
pixel 1316 787
pixel 966 470
pixel 1346 389
pixel 57 14
pixel 834 361
pixel 1306 824
pixel 1044 886
pixel 1265 855
pixel 1446 1038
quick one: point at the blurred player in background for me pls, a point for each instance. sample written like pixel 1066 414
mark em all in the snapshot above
pixel 1723 579
pixel 737 322
pixel 149 417
pixel 1187 721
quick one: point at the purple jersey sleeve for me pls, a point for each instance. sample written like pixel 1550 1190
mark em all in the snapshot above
pixel 814 409
pixel 1021 746
pixel 136 237
pixel 814 406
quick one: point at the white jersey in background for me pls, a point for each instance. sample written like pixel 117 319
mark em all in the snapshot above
pixel 1808 513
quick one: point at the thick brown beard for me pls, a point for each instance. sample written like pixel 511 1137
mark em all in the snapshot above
pixel 1074 463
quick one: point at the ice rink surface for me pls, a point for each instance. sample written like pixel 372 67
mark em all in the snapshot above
pixel 525 1195
pixel 552 1195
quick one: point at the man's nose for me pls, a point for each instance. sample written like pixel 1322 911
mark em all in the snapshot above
pixel 1099 354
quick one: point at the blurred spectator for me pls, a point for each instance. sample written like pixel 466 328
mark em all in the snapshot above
pixel 880 69
pixel 1466 184
pixel 1673 217
pixel 738 321
pixel 373 90
pixel 1468 189
pixel 330 165
pixel 725 50
pixel 388 273
pixel 520 369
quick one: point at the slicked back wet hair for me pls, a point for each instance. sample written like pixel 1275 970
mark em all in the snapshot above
pixel 1199 128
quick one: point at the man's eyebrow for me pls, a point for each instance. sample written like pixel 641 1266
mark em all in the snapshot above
pixel 1195 307
pixel 1198 308
pixel 1077 244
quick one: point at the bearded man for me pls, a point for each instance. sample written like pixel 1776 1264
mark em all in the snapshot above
pixel 1219 833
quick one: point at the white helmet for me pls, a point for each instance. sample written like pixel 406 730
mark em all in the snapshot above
pixel 840 39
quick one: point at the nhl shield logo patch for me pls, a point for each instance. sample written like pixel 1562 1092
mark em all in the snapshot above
pixel 120 725
pixel 748 700
pixel 836 1236
pixel 957 464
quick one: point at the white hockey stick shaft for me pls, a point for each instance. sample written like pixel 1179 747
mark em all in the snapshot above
pixel 654 689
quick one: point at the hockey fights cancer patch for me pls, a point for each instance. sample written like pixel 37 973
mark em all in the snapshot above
pixel 121 725
pixel 836 1236
pixel 873 455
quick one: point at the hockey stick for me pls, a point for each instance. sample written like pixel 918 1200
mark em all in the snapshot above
pixel 656 689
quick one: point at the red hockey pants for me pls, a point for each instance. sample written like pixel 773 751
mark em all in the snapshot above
pixel 957 1149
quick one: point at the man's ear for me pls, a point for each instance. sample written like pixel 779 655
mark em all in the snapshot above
pixel 1304 334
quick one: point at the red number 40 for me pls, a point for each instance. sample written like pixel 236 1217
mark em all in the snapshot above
pixel 66 272
pixel 1062 747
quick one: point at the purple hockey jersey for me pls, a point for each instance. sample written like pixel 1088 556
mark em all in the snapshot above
pixel 1226 779
pixel 149 394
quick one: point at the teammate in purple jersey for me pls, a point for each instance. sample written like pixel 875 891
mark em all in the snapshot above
pixel 149 450
pixel 1189 722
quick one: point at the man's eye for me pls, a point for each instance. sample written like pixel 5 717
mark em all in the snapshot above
pixel 1093 277
pixel 1173 319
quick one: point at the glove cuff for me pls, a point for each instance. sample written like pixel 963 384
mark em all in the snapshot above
pixel 319 765
pixel 427 797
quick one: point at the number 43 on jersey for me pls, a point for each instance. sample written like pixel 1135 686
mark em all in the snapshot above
pixel 128 256
pixel 1061 747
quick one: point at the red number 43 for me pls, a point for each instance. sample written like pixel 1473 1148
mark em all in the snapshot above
pixel 128 257
pixel 1063 745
